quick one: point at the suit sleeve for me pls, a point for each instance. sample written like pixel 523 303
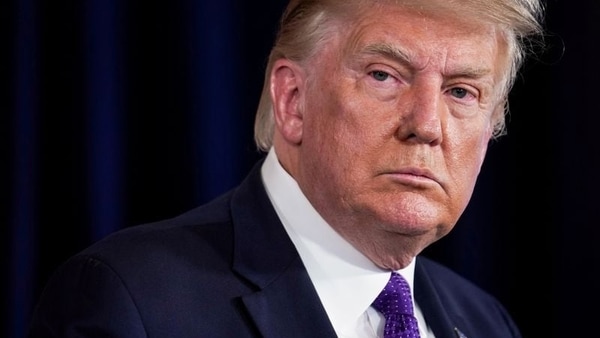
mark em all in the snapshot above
pixel 86 298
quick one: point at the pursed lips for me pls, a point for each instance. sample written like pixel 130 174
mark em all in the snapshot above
pixel 413 176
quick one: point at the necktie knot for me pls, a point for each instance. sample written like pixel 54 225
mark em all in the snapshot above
pixel 395 303
pixel 395 297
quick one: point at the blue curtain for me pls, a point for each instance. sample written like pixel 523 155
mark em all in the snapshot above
pixel 119 112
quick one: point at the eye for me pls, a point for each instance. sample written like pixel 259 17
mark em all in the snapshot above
pixel 380 75
pixel 458 92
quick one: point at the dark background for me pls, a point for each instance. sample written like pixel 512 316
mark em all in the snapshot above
pixel 118 112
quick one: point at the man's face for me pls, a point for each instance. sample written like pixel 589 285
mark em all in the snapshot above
pixel 396 123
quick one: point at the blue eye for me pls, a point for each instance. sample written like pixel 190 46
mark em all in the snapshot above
pixel 459 92
pixel 380 75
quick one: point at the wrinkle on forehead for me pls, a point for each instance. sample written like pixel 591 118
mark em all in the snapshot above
pixel 388 42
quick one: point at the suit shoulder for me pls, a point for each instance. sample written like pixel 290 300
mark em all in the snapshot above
pixel 203 228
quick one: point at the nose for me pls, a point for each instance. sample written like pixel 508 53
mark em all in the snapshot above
pixel 421 117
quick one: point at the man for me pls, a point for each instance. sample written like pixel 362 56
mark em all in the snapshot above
pixel 376 117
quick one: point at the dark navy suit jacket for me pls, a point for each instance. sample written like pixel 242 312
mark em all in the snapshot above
pixel 227 269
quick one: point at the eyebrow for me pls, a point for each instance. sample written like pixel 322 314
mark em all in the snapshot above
pixel 404 58
pixel 387 51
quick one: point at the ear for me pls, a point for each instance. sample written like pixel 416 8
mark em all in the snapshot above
pixel 287 89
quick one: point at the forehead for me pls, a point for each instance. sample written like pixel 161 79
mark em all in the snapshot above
pixel 423 37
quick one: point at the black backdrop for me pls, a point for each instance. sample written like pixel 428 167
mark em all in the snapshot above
pixel 117 112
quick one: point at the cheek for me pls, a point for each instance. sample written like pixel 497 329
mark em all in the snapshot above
pixel 466 156
pixel 338 122
pixel 338 145
pixel 481 146
pixel 471 141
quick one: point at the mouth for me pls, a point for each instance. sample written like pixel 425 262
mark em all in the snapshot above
pixel 416 177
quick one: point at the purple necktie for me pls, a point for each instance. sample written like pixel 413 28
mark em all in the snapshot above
pixel 395 303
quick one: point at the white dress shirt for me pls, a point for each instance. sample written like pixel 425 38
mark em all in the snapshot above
pixel 346 281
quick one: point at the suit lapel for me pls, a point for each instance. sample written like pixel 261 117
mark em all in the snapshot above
pixel 286 303
pixel 289 307
pixel 436 316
